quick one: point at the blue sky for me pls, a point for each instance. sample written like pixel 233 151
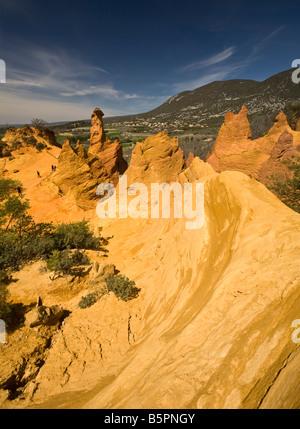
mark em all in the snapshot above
pixel 64 58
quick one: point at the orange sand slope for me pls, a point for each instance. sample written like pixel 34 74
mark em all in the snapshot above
pixel 47 204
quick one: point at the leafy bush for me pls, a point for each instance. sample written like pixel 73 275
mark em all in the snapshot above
pixel 122 287
pixel 31 140
pixel 9 255
pixel 63 262
pixel 76 235
pixel 5 278
pixel 22 240
pixel 88 300
pixel 40 146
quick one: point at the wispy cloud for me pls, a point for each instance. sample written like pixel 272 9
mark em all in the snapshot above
pixel 215 68
pixel 106 91
pixel 53 72
pixel 59 75
pixel 188 85
pixel 273 33
pixel 61 86
pixel 210 61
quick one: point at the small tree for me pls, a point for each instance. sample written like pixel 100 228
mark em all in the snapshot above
pixel 38 123
pixel 7 187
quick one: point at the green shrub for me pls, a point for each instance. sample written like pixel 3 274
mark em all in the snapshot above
pixel 40 146
pixel 7 187
pixel 122 287
pixel 15 145
pixel 288 188
pixel 6 311
pixel 22 240
pixel 5 278
pixel 88 300
pixel 63 262
pixel 76 235
pixel 31 140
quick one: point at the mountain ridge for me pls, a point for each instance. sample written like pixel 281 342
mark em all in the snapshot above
pixel 213 100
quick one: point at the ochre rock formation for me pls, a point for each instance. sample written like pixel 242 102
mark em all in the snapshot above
pixel 29 136
pixel 283 150
pixel 196 172
pixel 108 152
pixel 235 150
pixel 190 159
pixel 157 159
pixel 78 173
pixel 98 136
pixel 111 157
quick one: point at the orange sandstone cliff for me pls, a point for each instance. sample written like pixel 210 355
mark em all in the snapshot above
pixel 79 172
pixel 235 150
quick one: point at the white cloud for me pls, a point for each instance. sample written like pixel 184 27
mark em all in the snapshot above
pixel 54 72
pixel 215 70
pixel 106 91
pixel 212 60
pixel 201 81
pixel 273 33
pixel 41 84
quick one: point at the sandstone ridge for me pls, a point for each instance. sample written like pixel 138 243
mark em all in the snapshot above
pixel 27 135
pixel 235 150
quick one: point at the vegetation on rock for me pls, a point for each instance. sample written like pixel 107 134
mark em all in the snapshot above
pixel 122 287
pixel 63 262
pixel 22 240
pixel 288 189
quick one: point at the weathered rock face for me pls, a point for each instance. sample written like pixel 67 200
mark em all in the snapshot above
pixel 284 149
pixel 157 159
pixel 42 315
pixel 78 173
pixel 4 150
pixel 235 150
pixel 190 159
pixel 29 136
pixel 108 152
pixel 198 170
pixel 98 137
pixel 112 159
